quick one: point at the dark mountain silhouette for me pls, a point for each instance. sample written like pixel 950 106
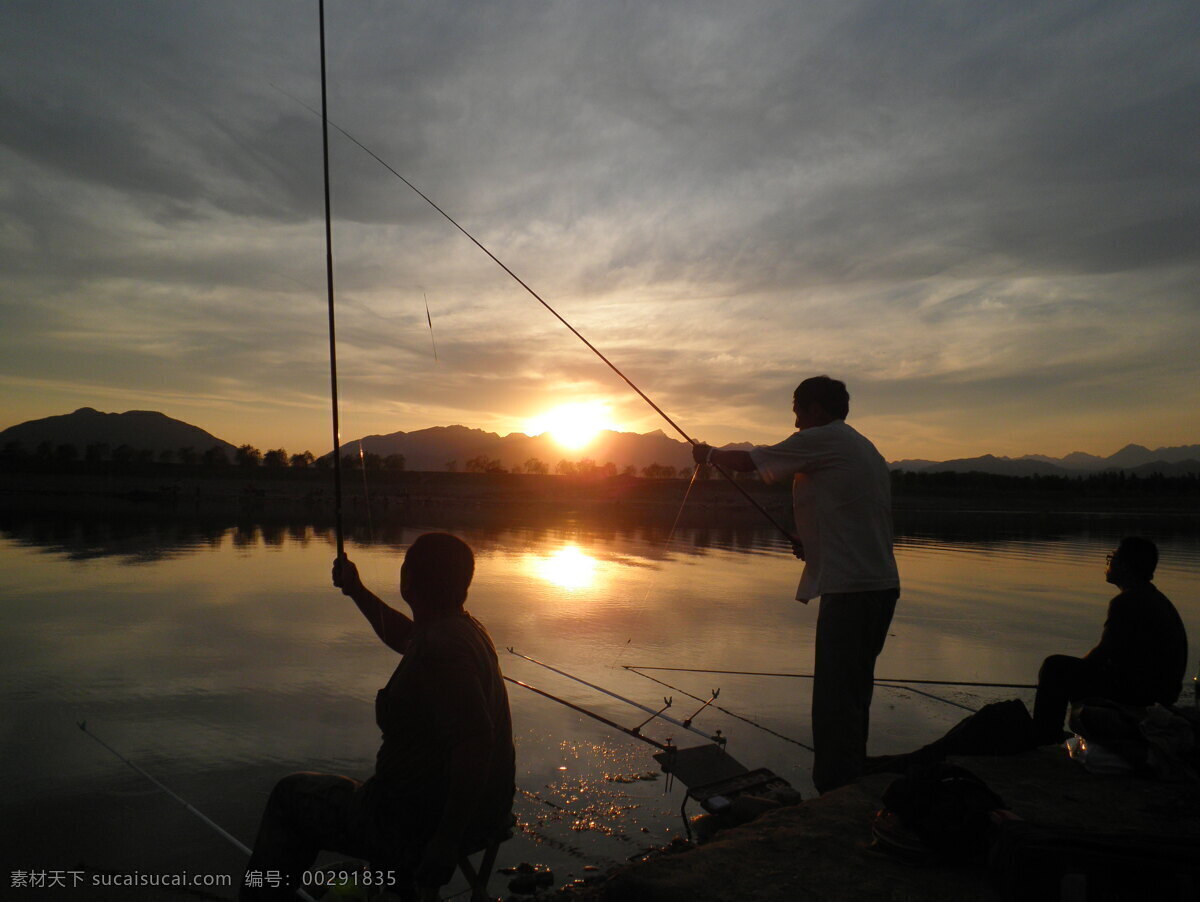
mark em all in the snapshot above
pixel 1166 468
pixel 139 429
pixel 437 446
pixel 432 449
pixel 912 464
pixel 1131 458
pixel 1004 466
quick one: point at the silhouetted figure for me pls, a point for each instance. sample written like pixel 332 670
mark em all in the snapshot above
pixel 444 775
pixel 841 495
pixel 1142 653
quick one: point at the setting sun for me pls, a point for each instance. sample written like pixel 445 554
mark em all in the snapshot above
pixel 572 425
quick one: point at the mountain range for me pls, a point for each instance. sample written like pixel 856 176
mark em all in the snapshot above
pixel 139 429
pixel 434 448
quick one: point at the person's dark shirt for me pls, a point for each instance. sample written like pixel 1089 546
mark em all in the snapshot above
pixel 1144 646
pixel 447 689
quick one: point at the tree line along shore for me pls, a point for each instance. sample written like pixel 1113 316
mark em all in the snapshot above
pixel 294 484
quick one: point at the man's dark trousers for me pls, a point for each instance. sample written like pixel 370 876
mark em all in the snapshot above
pixel 851 629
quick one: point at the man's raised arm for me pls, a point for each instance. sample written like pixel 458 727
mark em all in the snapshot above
pixel 389 624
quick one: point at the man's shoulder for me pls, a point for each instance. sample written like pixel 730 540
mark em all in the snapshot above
pixel 831 434
pixel 1141 597
pixel 457 633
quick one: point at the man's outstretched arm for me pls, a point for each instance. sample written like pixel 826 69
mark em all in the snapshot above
pixel 739 461
pixel 389 624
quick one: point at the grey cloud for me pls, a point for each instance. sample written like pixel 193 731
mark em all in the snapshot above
pixel 873 188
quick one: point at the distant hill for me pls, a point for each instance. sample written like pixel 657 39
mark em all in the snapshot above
pixel 1166 468
pixel 1132 458
pixel 139 429
pixel 1004 466
pixel 434 448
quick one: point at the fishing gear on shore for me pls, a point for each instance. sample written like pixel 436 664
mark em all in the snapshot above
pixel 715 737
pixel 213 825
pixel 635 732
pixel 709 773
pixel 747 720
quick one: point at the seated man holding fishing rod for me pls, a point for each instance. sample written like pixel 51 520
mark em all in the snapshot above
pixel 444 775
pixel 841 496
pixel 1142 654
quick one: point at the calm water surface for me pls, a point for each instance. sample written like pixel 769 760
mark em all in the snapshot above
pixel 221 659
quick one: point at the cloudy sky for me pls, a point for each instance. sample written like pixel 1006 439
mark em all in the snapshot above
pixel 984 217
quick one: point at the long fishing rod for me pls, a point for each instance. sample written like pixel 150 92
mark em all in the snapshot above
pixel 809 676
pixel 225 834
pixel 333 389
pixel 752 723
pixel 936 698
pixel 612 366
pixel 611 694
pixel 635 733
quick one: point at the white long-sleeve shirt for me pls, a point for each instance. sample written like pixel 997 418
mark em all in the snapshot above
pixel 842 496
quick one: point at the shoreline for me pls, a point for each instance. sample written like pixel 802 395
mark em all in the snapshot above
pixel 413 496
pixel 822 848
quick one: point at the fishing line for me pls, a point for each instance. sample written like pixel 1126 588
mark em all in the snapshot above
pixel 362 465
pixel 666 547
pixel 225 834
pixel 682 505
pixel 612 366
pixel 621 651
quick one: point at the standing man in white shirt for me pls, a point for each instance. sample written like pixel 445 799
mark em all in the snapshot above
pixel 841 495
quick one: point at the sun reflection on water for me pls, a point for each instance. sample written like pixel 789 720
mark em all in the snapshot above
pixel 567 567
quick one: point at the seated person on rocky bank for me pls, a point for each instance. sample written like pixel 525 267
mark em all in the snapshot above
pixel 444 775
pixel 1142 653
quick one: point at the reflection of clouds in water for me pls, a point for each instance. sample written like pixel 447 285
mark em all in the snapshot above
pixel 567 567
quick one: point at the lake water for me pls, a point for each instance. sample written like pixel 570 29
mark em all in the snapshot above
pixel 219 659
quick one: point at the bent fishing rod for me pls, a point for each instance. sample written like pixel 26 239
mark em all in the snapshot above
pixel 537 297
pixel 213 825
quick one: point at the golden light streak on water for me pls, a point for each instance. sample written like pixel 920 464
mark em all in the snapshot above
pixel 567 567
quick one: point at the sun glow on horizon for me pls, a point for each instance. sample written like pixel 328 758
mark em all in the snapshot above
pixel 572 425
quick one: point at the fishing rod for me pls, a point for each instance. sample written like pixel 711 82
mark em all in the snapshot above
pixel 612 366
pixel 809 676
pixel 747 720
pixel 717 738
pixel 333 386
pixel 225 834
pixel 936 698
pixel 635 732
pixel 429 319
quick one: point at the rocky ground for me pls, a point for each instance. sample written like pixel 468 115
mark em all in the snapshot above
pixel 822 849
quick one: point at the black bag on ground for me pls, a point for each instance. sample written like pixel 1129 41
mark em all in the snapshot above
pixel 947 807
pixel 1001 728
